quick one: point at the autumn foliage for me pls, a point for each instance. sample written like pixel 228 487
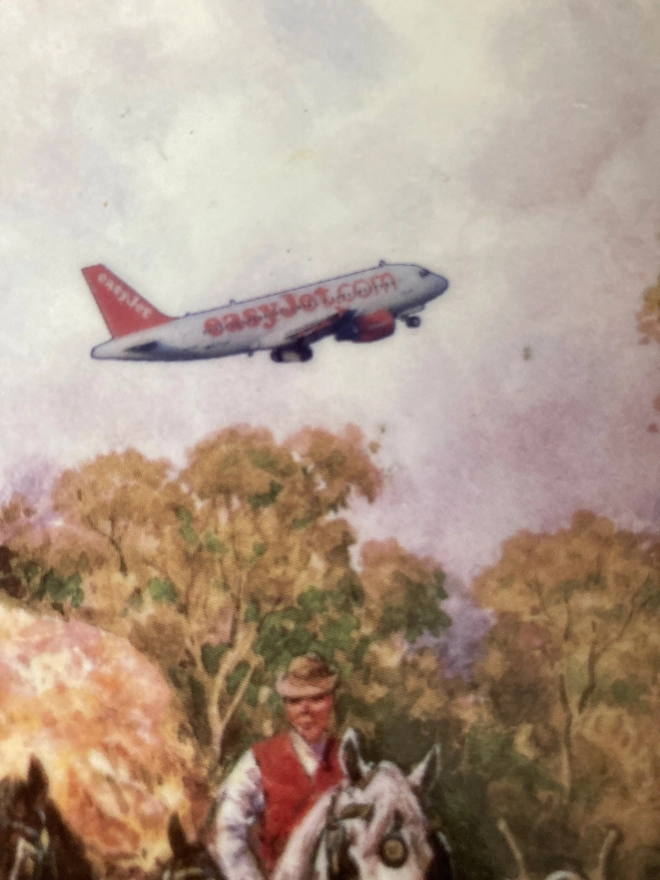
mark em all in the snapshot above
pixel 648 324
pixel 569 678
pixel 648 318
pixel 217 574
pixel 147 610
pixel 100 717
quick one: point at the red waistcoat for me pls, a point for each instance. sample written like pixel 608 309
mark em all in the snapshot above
pixel 288 791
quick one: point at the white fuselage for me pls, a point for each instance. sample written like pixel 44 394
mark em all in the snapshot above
pixel 279 319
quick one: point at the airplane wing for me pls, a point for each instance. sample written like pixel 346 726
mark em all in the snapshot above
pixel 344 324
pixel 317 330
pixel 297 346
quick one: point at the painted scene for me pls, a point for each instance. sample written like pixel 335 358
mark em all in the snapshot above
pixel 329 477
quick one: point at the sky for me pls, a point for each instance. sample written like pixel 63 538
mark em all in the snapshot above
pixel 216 149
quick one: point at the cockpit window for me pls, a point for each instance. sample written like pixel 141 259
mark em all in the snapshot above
pixel 423 273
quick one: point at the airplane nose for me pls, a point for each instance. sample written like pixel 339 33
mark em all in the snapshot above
pixel 441 284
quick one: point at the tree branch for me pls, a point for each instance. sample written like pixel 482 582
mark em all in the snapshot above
pixel 535 586
pixel 505 831
pixel 634 610
pixel 193 576
pixel 236 700
pixel 566 757
pixel 590 686
pixel 116 546
pixel 232 532
pixel 612 838
pixel 568 628
pixel 230 661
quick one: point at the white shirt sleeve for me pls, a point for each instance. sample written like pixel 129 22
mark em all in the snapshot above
pixel 241 802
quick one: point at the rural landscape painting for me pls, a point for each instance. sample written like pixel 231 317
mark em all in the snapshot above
pixel 385 604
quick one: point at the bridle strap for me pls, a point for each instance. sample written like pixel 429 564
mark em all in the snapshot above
pixel 341 865
pixel 23 849
pixel 32 843
pixel 26 831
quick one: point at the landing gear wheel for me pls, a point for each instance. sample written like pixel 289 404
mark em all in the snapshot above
pixel 413 321
pixel 296 354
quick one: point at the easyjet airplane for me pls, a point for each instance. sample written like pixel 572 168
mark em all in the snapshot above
pixel 360 307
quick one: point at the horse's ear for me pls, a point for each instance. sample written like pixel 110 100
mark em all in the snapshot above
pixel 176 835
pixel 422 777
pixel 349 756
pixel 37 778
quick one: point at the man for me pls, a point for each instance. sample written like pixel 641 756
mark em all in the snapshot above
pixel 279 779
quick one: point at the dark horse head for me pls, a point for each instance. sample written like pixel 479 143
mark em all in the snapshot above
pixel 190 859
pixel 35 841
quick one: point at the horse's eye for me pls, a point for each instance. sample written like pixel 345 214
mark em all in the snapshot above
pixel 393 851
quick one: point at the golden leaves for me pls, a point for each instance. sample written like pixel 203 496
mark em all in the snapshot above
pixel 339 464
pixel 100 717
pixel 572 662
pixel 648 318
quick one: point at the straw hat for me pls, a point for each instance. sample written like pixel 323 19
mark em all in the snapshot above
pixel 307 676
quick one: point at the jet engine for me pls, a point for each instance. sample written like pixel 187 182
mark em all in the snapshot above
pixel 366 328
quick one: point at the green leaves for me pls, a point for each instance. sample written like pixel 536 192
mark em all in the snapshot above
pixel 493 754
pixel 212 655
pixel 312 602
pixel 348 593
pixel 186 529
pixel 135 601
pixel 162 590
pixel 651 596
pixel 629 693
pixel 265 499
pixel 235 678
pixel 61 589
pixel 262 459
pixel 420 610
pixel 214 545
pixel 438 585
pixel 281 636
pixel 338 634
pixel 252 612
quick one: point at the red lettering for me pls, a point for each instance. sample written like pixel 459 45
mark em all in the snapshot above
pixel 233 322
pixel 270 312
pixel 362 288
pixel 307 302
pixel 384 281
pixel 251 317
pixel 323 294
pixel 344 293
pixel 213 327
pixel 292 304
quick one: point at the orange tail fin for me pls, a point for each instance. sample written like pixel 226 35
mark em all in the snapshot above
pixel 123 309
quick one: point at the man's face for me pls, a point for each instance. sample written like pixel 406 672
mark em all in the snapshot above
pixel 310 716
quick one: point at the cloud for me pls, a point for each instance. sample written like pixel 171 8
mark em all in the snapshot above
pixel 584 87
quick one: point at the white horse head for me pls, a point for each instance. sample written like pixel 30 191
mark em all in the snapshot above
pixel 369 827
